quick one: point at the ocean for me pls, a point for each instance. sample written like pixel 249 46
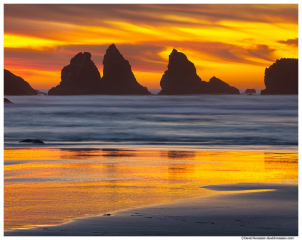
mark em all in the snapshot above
pixel 104 154
pixel 195 121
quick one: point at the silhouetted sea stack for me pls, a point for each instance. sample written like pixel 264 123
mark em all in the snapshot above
pixel 181 78
pixel 250 91
pixel 282 77
pixel 14 85
pixel 80 77
pixel 118 78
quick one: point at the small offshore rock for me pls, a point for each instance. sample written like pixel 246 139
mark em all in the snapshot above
pixel 7 101
pixel 250 91
pixel 27 140
pixel 32 141
pixel 38 141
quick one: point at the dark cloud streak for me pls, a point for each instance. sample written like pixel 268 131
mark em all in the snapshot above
pixel 91 14
pixel 292 42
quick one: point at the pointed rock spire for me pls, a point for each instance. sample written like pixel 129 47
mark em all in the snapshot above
pixel 181 78
pixel 80 77
pixel 118 77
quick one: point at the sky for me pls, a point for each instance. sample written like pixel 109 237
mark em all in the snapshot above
pixel 234 42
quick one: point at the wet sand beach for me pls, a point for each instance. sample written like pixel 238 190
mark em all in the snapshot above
pixel 116 192
pixel 261 210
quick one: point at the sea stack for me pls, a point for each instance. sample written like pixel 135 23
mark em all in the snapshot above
pixel 118 78
pixel 282 77
pixel 217 86
pixel 181 76
pixel 181 79
pixel 14 85
pixel 80 77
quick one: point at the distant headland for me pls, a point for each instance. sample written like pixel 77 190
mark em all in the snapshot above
pixel 82 77
pixel 15 85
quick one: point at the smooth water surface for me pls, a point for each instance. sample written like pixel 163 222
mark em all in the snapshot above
pixel 199 121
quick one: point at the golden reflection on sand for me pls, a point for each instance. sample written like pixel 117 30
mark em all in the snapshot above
pixel 45 186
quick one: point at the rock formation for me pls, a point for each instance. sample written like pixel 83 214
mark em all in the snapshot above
pixel 217 86
pixel 14 85
pixel 250 91
pixel 7 101
pixel 32 141
pixel 80 77
pixel 181 78
pixel 282 77
pixel 118 78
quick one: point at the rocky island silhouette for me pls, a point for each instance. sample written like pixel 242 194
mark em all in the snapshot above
pixel 118 78
pixel 82 77
pixel 281 77
pixel 181 78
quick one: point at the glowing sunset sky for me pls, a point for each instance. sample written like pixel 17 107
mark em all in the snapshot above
pixel 232 42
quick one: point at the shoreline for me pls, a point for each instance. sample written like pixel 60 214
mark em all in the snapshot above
pixel 236 210
pixel 226 148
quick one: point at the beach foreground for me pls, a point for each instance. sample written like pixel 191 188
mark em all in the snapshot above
pixel 128 192
pixel 236 210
